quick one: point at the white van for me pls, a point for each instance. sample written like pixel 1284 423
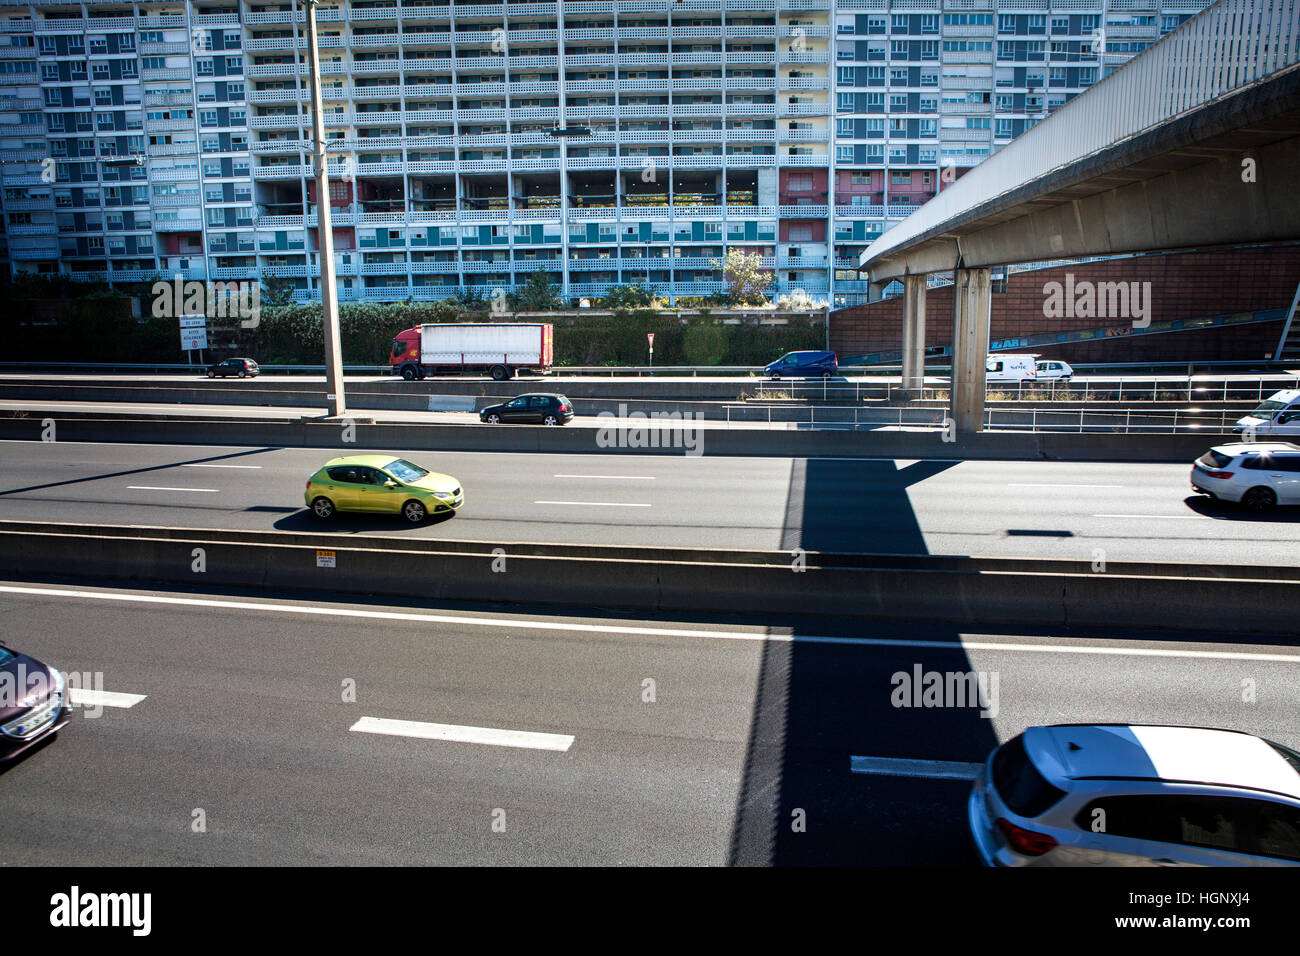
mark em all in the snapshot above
pixel 1279 414
pixel 1005 367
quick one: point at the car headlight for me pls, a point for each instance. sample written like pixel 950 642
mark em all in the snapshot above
pixel 444 495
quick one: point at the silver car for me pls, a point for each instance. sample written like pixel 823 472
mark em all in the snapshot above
pixel 1132 795
pixel 1259 475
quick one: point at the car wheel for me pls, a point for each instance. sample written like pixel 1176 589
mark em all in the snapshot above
pixel 551 420
pixel 408 374
pixel 414 512
pixel 776 376
pixel 242 373
pixel 499 373
pixel 322 507
pixel 494 419
pixel 211 374
pixel 1259 499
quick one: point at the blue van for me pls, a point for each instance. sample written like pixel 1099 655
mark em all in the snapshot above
pixel 802 365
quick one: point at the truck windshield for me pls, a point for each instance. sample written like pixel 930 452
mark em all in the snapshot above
pixel 1266 409
pixel 398 348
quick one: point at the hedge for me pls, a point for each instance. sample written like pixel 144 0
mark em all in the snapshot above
pixel 100 329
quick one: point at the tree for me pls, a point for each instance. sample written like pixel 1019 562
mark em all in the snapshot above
pixel 277 290
pixel 746 280
pixel 632 296
pixel 539 294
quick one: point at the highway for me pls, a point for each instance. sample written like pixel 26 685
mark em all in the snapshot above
pixel 640 742
pixel 1083 511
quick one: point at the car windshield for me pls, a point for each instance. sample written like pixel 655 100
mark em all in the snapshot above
pixel 1266 409
pixel 6 655
pixel 404 470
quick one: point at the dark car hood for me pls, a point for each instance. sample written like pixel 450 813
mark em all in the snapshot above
pixel 17 696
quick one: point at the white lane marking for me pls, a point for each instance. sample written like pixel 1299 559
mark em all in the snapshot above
pixel 612 477
pixel 595 504
pixel 1162 517
pixel 103 698
pixel 899 767
pixel 210 491
pixel 1034 484
pixel 221 466
pixel 643 631
pixel 465 735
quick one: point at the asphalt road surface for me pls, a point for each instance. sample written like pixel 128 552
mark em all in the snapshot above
pixel 1127 512
pixel 270 730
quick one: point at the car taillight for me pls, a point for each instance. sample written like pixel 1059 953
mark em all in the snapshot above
pixel 564 408
pixel 1025 841
pixel 1219 474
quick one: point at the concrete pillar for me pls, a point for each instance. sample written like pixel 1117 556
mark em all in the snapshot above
pixel 913 334
pixel 972 303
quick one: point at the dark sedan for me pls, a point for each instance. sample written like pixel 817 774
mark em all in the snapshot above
pixel 530 410
pixel 34 702
pixel 239 367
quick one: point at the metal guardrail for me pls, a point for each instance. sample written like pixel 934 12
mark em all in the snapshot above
pixel 1213 424
pixel 1221 50
pixel 748 371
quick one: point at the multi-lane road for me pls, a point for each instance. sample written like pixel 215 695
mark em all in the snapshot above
pixel 270 730
pixel 1129 512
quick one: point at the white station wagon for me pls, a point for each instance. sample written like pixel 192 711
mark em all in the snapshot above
pixel 1132 795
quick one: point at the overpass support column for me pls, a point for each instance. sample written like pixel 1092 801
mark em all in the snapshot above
pixel 913 335
pixel 973 302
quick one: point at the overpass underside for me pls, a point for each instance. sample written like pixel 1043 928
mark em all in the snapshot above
pixel 1223 174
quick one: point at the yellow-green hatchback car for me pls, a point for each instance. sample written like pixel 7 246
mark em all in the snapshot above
pixel 382 483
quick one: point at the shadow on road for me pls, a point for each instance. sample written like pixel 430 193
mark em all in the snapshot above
pixel 1229 511
pixel 210 459
pixel 353 522
pixel 818 705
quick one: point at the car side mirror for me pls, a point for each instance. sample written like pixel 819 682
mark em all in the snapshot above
pixel 390 484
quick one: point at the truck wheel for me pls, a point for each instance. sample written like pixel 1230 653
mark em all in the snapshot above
pixel 408 373
pixel 499 373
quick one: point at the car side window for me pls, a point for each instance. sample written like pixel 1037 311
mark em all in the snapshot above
pixel 539 401
pixel 370 476
pixel 346 475
pixel 1277 831
pixel 1288 463
pixel 517 403
pixel 1256 462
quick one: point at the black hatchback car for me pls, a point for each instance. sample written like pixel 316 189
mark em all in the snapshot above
pixel 240 367
pixel 33 702
pixel 530 410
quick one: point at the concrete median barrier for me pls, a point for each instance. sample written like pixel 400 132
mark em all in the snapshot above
pixel 724 442
pixel 965 591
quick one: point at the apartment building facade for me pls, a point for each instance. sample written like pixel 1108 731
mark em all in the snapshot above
pixel 140 139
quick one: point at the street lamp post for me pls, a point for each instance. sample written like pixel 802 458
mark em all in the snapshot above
pixel 334 397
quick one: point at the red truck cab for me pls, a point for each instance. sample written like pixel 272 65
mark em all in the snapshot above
pixel 406 352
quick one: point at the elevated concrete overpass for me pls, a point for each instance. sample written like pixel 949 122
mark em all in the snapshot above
pixel 1194 143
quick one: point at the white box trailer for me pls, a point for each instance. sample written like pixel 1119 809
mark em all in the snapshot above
pixel 498 348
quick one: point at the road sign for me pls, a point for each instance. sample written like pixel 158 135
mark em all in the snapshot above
pixel 651 337
pixel 194 332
